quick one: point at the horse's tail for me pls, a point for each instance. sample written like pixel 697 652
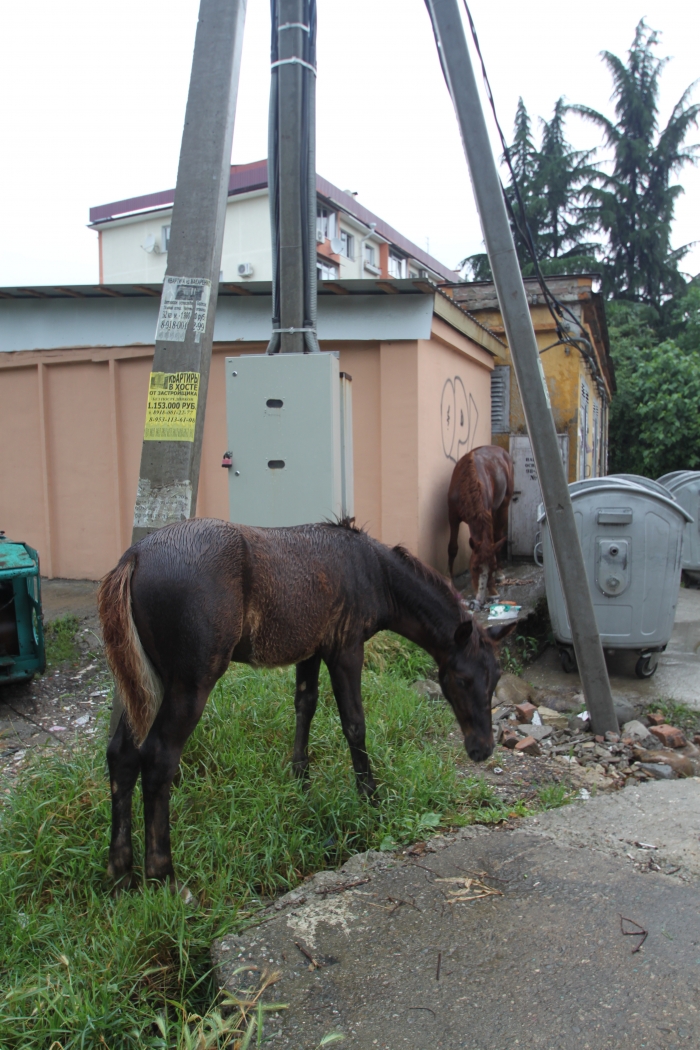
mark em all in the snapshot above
pixel 140 688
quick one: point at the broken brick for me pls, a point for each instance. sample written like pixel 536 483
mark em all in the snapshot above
pixel 528 746
pixel 655 718
pixel 525 712
pixel 668 735
pixel 509 738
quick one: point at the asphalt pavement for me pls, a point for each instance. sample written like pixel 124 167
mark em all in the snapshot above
pixel 578 929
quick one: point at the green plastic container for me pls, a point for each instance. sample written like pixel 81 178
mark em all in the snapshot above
pixel 22 652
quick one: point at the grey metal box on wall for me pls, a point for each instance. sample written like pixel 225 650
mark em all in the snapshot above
pixel 289 424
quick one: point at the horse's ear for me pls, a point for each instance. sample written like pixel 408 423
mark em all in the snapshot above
pixel 500 631
pixel 471 544
pixel 463 633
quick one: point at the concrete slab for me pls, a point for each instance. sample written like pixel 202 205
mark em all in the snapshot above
pixel 385 952
pixel 678 673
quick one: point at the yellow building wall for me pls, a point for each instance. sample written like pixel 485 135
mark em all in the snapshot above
pixel 565 370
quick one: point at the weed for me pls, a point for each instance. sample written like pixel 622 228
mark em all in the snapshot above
pixel 678 714
pixel 60 641
pixel 552 796
pixel 517 653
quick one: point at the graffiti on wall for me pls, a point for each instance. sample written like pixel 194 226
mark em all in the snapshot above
pixel 460 418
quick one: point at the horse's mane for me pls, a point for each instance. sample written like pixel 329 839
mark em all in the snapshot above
pixel 433 577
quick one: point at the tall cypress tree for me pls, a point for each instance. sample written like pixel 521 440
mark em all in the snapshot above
pixel 635 203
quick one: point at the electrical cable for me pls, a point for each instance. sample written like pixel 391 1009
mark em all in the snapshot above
pixel 556 308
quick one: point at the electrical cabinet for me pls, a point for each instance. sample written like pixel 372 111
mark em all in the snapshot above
pixel 289 424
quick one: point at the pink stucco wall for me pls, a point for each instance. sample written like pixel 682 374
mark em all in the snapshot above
pixel 72 421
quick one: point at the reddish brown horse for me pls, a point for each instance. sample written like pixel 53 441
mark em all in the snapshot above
pixel 190 598
pixel 479 495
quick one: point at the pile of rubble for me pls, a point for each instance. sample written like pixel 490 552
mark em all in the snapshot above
pixel 534 721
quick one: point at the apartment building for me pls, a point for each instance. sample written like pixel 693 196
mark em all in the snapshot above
pixel 351 241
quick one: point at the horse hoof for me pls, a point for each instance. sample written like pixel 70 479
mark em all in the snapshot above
pixel 121 883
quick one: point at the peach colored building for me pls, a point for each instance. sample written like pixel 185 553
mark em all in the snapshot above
pixel 73 384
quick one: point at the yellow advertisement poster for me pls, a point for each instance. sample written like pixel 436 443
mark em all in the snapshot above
pixel 172 406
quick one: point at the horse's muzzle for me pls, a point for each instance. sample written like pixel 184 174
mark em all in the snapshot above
pixel 478 748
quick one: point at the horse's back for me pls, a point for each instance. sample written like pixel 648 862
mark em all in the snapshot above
pixel 481 480
pixel 287 591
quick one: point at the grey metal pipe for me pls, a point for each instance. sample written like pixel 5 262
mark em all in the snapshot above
pixel 459 74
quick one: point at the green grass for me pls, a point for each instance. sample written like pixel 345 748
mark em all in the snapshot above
pixel 60 641
pixel 79 969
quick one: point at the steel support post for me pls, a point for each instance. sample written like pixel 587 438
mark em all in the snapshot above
pixel 172 446
pixel 177 395
pixel 459 74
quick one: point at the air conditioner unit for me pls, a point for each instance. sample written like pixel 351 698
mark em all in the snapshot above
pixel 320 239
pixel 245 269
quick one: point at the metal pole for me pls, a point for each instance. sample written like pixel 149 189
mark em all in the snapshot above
pixel 457 67
pixel 177 395
pixel 292 176
pixel 172 446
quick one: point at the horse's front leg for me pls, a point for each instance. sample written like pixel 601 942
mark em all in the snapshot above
pixel 305 701
pixel 124 763
pixel 346 678
pixel 160 752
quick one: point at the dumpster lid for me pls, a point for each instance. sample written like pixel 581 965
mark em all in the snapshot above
pixel 610 483
pixel 679 480
pixel 14 560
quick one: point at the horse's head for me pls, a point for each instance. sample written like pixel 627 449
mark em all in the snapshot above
pixel 468 677
pixel 483 563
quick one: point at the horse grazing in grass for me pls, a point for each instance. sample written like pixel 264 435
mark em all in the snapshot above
pixel 187 600
pixel 479 495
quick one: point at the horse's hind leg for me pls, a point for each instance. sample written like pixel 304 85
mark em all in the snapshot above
pixel 124 763
pixel 160 756
pixel 346 676
pixel 305 700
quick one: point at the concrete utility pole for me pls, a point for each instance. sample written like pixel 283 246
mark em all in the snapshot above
pixel 177 394
pixel 172 445
pixel 291 166
pixel 457 67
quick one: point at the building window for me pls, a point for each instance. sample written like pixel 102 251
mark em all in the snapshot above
pixel 369 255
pixel 347 244
pixel 165 239
pixel 326 271
pixel 500 399
pixel 325 224
pixel 397 266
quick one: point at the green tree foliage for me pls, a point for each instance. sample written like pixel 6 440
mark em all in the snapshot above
pixel 554 187
pixel 635 203
pixel 655 415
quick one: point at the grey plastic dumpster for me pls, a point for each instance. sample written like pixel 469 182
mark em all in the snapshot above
pixel 684 486
pixel 631 536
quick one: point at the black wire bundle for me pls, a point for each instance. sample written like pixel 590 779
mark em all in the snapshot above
pixel 556 308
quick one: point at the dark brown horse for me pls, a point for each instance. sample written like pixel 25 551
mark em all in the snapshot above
pixel 479 495
pixel 190 598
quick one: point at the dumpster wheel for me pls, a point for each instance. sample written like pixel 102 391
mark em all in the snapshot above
pixel 646 665
pixel 568 660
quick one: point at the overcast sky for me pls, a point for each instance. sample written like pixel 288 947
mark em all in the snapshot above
pixel 94 98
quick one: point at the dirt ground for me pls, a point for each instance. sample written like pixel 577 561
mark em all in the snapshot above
pixel 53 710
